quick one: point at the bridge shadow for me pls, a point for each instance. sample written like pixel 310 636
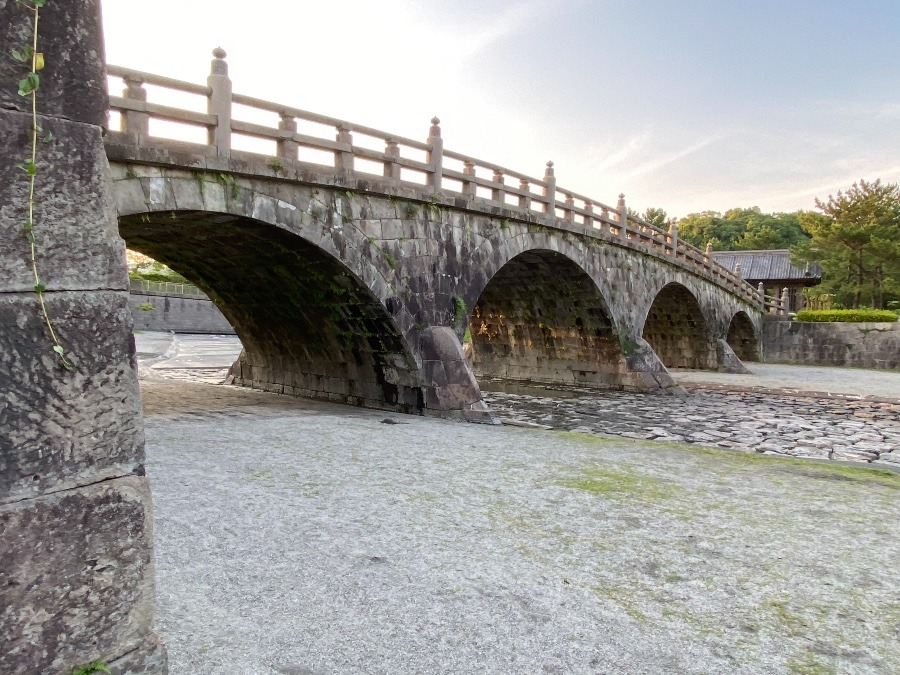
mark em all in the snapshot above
pixel 541 318
pixel 308 325
pixel 678 332
pixel 742 338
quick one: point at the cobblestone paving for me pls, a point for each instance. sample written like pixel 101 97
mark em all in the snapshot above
pixel 847 430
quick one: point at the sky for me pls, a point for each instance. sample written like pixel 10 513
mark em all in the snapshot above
pixel 685 105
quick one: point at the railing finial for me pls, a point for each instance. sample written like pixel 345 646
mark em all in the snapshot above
pixel 218 65
pixel 435 130
pixel 549 170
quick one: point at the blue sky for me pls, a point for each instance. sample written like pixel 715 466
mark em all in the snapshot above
pixel 686 105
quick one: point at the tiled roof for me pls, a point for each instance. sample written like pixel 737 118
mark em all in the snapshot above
pixel 774 265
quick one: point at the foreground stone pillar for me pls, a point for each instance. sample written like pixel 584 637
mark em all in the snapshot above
pixel 76 539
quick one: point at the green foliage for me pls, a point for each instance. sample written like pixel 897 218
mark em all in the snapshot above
pixel 389 259
pixel 656 217
pixel 145 307
pixel 742 229
pixel 459 311
pixel 856 240
pixel 847 315
pixel 276 165
pixel 97 666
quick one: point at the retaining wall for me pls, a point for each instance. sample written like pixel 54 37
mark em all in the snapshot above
pixel 177 313
pixel 860 345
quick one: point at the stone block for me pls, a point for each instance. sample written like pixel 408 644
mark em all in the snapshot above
pixel 73 82
pixel 76 578
pixel 75 224
pixel 60 429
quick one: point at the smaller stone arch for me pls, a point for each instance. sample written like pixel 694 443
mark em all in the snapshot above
pixel 541 318
pixel 677 330
pixel 742 337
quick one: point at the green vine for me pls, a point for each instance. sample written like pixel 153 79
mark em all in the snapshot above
pixel 28 88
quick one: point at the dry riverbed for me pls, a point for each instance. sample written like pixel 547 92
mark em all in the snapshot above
pixel 296 537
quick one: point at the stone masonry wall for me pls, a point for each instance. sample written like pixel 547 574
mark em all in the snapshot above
pixel 177 313
pixel 860 345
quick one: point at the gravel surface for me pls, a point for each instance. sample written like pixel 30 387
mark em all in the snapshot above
pixel 296 537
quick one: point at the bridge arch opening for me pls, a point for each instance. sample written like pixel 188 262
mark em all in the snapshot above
pixel 308 325
pixel 541 318
pixel 677 330
pixel 742 337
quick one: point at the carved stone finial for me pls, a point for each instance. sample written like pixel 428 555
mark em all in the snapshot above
pixel 549 165
pixel 435 131
pixel 621 195
pixel 218 66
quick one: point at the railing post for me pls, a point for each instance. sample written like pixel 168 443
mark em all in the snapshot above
pixel 550 191
pixel 589 217
pixel 569 214
pixel 288 147
pixel 136 123
pixel 498 194
pixel 435 155
pixel 623 216
pixel 785 298
pixel 524 200
pixel 343 159
pixel 738 272
pixel 469 187
pixel 391 154
pixel 220 103
pixel 673 237
pixel 604 219
pixel 761 291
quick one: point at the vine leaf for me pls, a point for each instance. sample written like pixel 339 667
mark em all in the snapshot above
pixel 29 84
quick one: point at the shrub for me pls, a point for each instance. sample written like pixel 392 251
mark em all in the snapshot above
pixel 848 315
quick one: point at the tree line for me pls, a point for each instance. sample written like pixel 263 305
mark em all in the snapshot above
pixel 854 236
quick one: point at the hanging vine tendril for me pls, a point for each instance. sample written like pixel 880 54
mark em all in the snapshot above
pixel 28 88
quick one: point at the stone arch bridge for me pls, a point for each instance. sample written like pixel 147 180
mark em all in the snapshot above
pixel 357 277
pixel 354 277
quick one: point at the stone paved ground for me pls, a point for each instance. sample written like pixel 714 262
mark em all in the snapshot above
pixel 849 430
pixel 301 538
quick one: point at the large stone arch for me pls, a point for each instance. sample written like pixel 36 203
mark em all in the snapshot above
pixel 540 317
pixel 743 337
pixel 678 331
pixel 310 324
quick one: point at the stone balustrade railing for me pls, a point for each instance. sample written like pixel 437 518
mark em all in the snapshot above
pixel 164 288
pixel 402 160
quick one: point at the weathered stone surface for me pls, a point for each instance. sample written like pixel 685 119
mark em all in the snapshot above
pixel 860 345
pixel 73 81
pixel 728 360
pixel 176 313
pixel 75 229
pixel 76 577
pixel 58 428
pixel 150 658
pixel 450 384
